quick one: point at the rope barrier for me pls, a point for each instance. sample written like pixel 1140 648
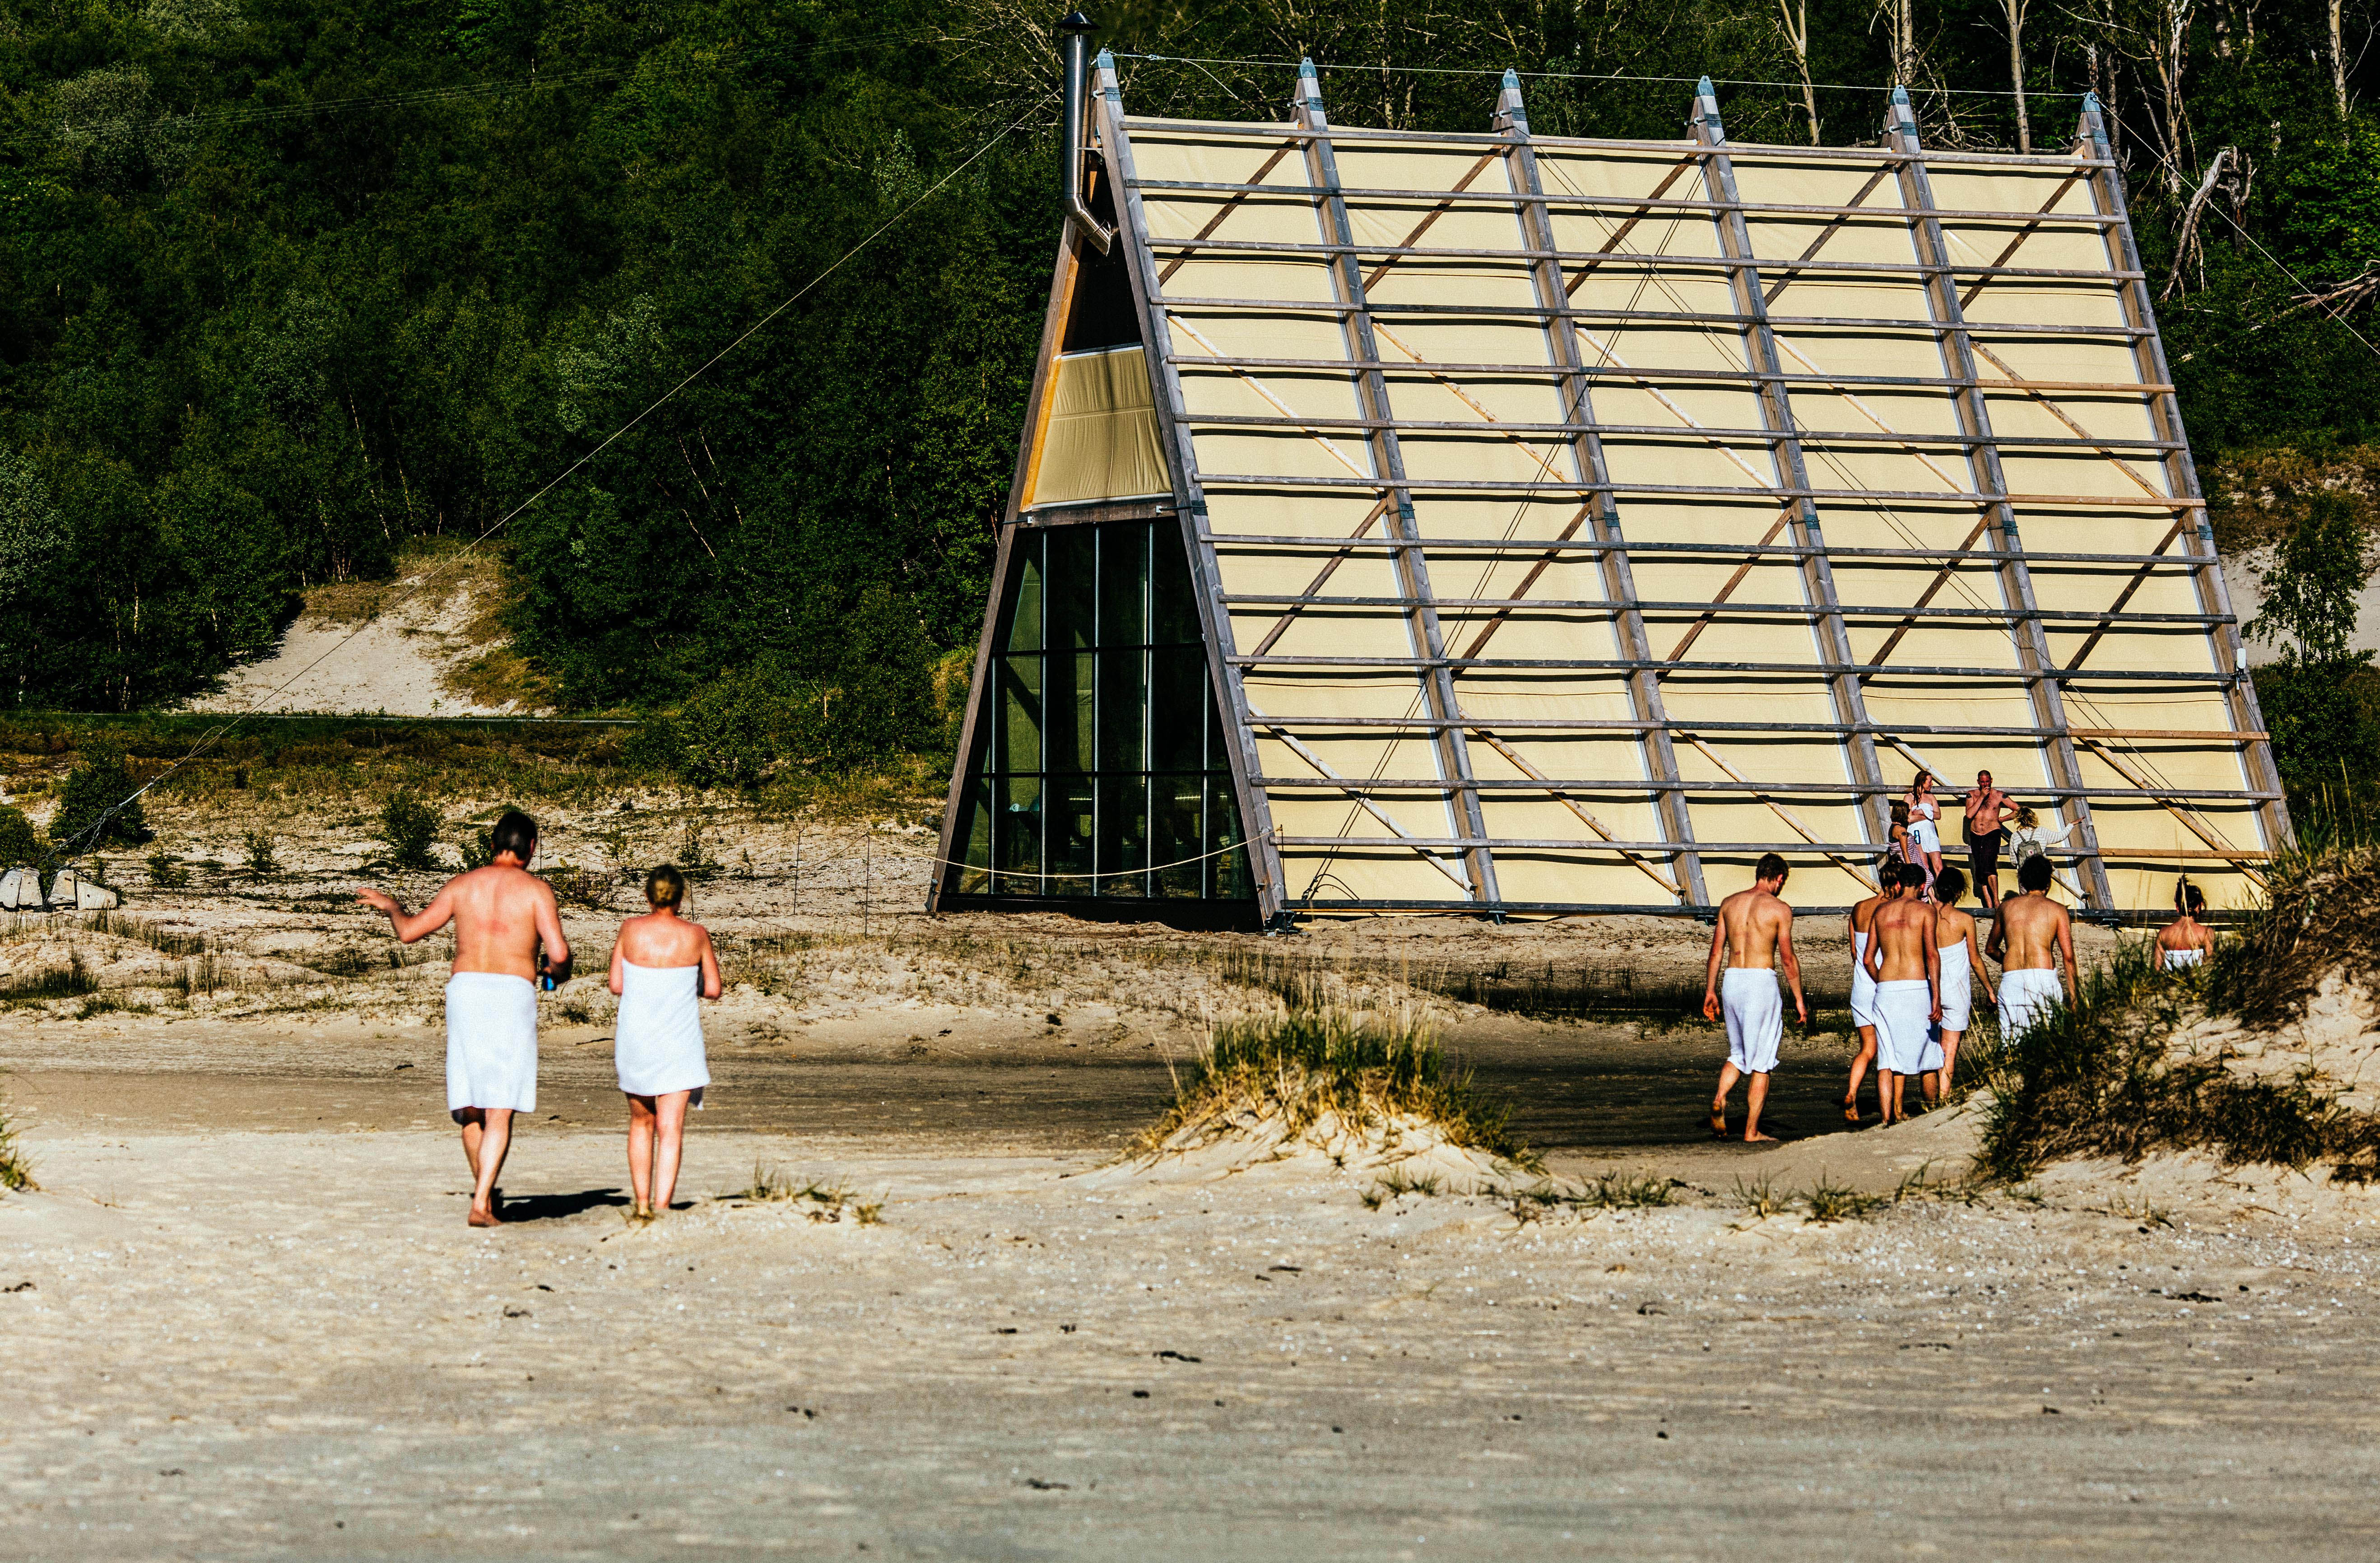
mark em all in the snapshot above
pixel 1583 75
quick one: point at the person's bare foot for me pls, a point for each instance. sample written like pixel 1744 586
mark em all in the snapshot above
pixel 480 1217
pixel 1718 1121
pixel 1755 1138
pixel 1850 1109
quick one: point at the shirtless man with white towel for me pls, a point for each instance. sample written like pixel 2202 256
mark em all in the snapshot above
pixel 1907 968
pixel 502 914
pixel 2031 936
pixel 1754 937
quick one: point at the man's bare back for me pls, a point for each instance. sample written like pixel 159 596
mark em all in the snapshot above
pixel 502 914
pixel 1900 942
pixel 1750 923
pixel 2031 934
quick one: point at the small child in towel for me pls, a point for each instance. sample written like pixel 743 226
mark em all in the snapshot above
pixel 661 966
pixel 502 914
pixel 1755 936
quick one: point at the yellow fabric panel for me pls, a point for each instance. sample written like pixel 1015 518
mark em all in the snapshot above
pixel 1102 440
pixel 1706 433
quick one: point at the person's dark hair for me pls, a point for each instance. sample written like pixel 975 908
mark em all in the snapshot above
pixel 1949 885
pixel 666 887
pixel 1900 812
pixel 1913 875
pixel 1770 866
pixel 2034 873
pixel 2188 898
pixel 514 833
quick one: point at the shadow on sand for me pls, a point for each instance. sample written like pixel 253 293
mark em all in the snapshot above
pixel 559 1206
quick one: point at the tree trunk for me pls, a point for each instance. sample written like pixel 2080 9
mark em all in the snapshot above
pixel 2015 9
pixel 2338 63
pixel 1794 21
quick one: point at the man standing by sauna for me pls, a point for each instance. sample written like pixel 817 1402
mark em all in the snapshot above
pixel 1987 809
pixel 2030 938
pixel 1755 936
pixel 502 914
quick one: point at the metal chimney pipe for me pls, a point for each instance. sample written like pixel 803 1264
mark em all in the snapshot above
pixel 1073 53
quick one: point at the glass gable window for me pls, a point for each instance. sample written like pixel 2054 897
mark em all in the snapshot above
pixel 1100 767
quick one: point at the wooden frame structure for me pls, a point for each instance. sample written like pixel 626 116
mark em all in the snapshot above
pixel 1904 481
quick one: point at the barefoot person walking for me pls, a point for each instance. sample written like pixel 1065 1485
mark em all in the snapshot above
pixel 661 966
pixel 1962 967
pixel 1755 936
pixel 1906 966
pixel 2030 937
pixel 1863 987
pixel 502 914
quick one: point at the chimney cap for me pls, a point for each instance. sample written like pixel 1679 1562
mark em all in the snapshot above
pixel 1074 21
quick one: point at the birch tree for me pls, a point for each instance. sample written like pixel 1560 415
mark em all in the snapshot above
pixel 1793 21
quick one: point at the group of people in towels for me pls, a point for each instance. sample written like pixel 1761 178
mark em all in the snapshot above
pixel 1916 959
pixel 508 943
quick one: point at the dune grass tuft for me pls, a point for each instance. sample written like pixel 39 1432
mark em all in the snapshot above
pixel 16 1172
pixel 2097 1077
pixel 1302 1065
pixel 820 1200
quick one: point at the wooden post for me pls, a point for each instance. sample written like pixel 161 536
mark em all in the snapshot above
pixel 1189 499
pixel 1388 459
pixel 2016 582
pixel 1776 413
pixel 1587 448
pixel 2181 473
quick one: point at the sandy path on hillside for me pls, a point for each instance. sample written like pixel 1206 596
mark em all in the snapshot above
pixel 242 1345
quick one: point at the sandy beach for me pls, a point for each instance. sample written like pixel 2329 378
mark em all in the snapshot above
pixel 247 1320
pixel 233 1342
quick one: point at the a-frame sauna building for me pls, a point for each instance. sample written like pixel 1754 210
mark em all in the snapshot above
pixel 1495 523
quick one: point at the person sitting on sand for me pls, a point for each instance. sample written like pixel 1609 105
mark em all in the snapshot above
pixel 662 965
pixel 502 914
pixel 1962 967
pixel 1753 937
pixel 1863 989
pixel 1907 969
pixel 2031 935
pixel 2185 941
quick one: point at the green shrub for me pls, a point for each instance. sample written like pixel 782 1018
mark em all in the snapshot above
pixel 165 871
pixel 408 830
pixel 261 861
pixel 96 807
pixel 20 845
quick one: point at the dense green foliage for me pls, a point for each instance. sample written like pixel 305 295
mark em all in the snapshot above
pixel 284 285
pixel 2317 698
pixel 98 805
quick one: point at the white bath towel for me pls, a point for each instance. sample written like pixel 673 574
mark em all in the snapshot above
pixel 1903 1040
pixel 657 1040
pixel 1863 985
pixel 490 1042
pixel 1756 1018
pixel 2176 960
pixel 1958 990
pixel 2025 993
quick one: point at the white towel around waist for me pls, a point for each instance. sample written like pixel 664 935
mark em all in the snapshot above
pixel 1756 1018
pixel 2174 960
pixel 1863 985
pixel 490 1042
pixel 1957 988
pixel 657 1040
pixel 2026 994
pixel 1905 1019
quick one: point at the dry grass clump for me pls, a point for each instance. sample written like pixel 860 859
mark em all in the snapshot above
pixel 1607 1191
pixel 1296 1068
pixel 2100 1078
pixel 824 1201
pixel 16 1172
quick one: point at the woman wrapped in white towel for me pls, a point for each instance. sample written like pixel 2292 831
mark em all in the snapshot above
pixel 661 966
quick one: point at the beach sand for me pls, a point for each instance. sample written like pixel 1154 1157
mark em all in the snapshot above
pixel 229 1343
